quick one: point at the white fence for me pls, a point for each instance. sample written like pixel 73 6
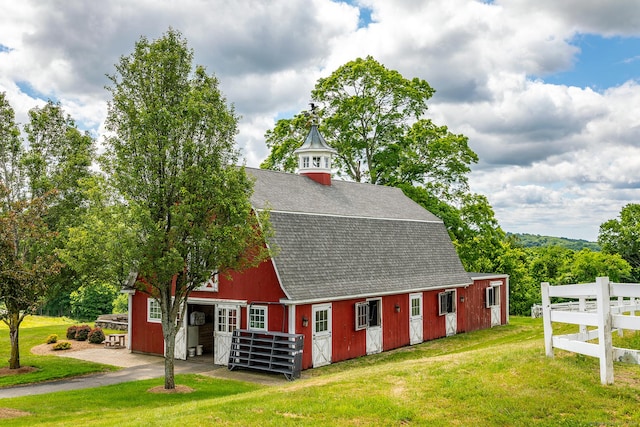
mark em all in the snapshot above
pixel 608 316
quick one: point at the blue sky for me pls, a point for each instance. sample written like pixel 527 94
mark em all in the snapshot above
pixel 547 91
pixel 603 62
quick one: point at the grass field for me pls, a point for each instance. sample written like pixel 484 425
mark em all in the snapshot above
pixel 494 377
pixel 34 331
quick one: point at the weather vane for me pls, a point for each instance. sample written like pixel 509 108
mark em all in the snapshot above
pixel 313 115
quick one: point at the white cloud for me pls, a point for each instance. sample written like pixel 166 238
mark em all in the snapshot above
pixel 554 159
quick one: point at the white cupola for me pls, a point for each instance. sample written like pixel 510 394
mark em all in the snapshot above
pixel 315 156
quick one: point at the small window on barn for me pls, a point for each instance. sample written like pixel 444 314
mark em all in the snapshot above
pixel 305 162
pixel 316 162
pixel 493 296
pixel 362 315
pixel 154 313
pixel 258 318
pixel 322 321
pixel 374 312
pixel 446 302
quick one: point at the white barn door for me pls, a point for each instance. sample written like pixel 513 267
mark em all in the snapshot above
pixel 416 335
pixel 226 321
pixel 493 303
pixel 447 308
pixel 374 328
pixel 180 350
pixel 321 339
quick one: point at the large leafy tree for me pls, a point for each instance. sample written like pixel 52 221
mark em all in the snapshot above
pixel 27 260
pixel 622 236
pixel 374 118
pixel 59 156
pixel 173 161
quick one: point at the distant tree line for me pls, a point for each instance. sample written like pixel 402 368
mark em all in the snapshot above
pixel 536 240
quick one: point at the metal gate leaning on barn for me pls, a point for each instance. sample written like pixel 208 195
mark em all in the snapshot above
pixel 608 316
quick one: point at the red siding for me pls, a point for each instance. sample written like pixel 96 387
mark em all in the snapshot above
pixel 395 325
pixel 434 325
pixel 347 342
pixel 258 284
pixel 146 337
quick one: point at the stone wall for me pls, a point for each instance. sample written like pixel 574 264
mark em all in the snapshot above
pixel 119 322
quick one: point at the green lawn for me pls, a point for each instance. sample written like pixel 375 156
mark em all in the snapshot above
pixel 34 331
pixel 493 377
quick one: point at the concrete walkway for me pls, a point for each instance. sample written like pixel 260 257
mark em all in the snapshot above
pixel 135 367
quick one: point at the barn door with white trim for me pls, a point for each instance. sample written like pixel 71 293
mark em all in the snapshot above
pixel 180 349
pixel 415 319
pixel 493 303
pixel 226 321
pixel 447 308
pixel 321 349
pixel 374 328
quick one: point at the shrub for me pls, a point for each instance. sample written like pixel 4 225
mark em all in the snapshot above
pixel 63 345
pixel 71 332
pixel 51 339
pixel 96 336
pixel 82 332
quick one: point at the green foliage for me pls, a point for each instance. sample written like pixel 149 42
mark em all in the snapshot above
pixel 121 304
pixel 96 336
pixel 92 300
pixel 374 118
pixel 63 345
pixel 82 332
pixel 172 160
pixel 71 332
pixel 51 339
pixel 536 240
pixel 622 236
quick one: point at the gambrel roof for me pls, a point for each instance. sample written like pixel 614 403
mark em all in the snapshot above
pixel 353 240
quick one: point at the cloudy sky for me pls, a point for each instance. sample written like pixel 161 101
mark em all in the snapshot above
pixel 547 91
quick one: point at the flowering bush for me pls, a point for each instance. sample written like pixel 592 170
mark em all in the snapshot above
pixel 71 332
pixel 96 336
pixel 51 339
pixel 82 332
pixel 64 345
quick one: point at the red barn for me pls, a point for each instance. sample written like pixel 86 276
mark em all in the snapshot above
pixel 359 269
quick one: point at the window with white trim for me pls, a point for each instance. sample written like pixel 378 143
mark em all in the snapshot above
pixel 446 302
pixel 322 321
pixel 368 314
pixel 415 306
pixel 210 285
pixel 492 296
pixel 227 319
pixel 316 161
pixel 154 313
pixel 305 162
pixel 258 317
pixel 362 315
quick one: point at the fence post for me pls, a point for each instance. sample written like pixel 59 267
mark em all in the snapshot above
pixel 582 306
pixel 620 310
pixel 605 343
pixel 546 319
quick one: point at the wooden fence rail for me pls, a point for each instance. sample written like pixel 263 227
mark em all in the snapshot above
pixel 608 316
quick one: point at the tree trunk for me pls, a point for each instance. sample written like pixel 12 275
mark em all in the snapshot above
pixel 169 357
pixel 14 325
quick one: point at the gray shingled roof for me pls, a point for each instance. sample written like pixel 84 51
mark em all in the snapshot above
pixel 352 239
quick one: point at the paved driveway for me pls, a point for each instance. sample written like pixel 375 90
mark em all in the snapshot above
pixel 135 367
